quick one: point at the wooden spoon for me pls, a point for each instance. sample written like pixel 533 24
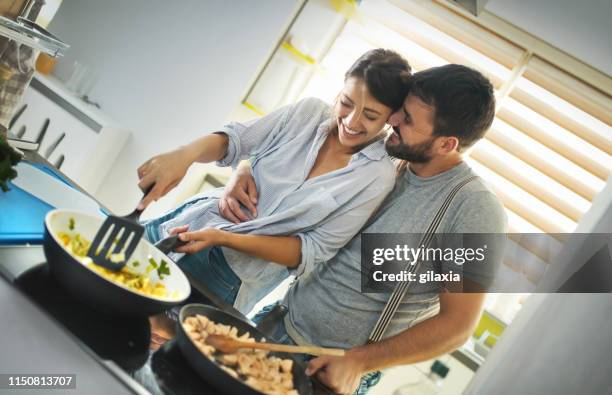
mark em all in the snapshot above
pixel 228 345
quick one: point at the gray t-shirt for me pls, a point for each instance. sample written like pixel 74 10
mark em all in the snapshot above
pixel 327 308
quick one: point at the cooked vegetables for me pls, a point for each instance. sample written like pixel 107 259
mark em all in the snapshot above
pixel 270 375
pixel 78 246
pixel 163 270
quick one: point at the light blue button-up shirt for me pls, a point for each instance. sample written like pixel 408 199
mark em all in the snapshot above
pixel 325 212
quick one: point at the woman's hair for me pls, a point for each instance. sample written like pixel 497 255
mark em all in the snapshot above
pixel 385 74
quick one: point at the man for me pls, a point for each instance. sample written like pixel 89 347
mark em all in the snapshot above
pixel 446 111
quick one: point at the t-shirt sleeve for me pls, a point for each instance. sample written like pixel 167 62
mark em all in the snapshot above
pixel 481 223
pixel 480 212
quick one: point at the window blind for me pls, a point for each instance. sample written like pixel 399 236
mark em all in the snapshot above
pixel 549 151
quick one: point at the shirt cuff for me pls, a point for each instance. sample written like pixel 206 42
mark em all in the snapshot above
pixel 232 156
pixel 307 259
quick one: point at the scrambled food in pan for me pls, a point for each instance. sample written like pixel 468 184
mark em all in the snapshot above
pixel 267 374
pixel 78 246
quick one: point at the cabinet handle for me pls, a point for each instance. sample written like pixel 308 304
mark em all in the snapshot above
pixel 54 145
pixel 17 115
pixel 59 162
pixel 43 131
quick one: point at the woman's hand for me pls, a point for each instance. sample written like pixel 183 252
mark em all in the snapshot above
pixel 163 172
pixel 240 189
pixel 199 239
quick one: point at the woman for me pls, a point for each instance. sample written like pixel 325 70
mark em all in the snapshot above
pixel 321 171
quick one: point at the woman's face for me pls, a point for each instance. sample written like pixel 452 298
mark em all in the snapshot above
pixel 360 116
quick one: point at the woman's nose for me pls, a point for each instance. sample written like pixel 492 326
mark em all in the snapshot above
pixel 353 121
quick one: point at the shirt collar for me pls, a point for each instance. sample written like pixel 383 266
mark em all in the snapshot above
pixel 375 151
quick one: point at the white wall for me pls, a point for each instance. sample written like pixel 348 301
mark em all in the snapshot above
pixel 579 27
pixel 558 344
pixel 169 70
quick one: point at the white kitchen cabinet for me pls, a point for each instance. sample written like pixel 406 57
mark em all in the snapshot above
pixel 92 140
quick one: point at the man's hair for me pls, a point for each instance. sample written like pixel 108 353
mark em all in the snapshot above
pixel 385 73
pixel 463 101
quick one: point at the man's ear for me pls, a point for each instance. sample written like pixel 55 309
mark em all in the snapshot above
pixel 448 145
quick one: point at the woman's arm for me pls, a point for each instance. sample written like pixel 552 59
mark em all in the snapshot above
pixel 207 149
pixel 228 146
pixel 303 250
pixel 284 250
pixel 165 171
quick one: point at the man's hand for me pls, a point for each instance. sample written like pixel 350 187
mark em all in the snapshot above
pixel 240 189
pixel 163 172
pixel 340 374
pixel 199 239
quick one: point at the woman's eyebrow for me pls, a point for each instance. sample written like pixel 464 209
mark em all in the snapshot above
pixel 365 108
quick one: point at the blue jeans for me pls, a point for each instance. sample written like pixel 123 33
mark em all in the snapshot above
pixel 280 335
pixel 208 266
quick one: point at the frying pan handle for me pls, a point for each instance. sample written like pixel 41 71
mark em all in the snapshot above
pixel 169 244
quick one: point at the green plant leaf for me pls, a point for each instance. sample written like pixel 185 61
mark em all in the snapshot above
pixel 8 159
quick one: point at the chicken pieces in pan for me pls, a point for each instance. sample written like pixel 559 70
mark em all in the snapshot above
pixel 267 374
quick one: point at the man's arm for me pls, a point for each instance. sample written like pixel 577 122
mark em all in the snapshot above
pixel 240 190
pixel 443 333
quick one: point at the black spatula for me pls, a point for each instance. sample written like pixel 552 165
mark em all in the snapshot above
pixel 116 241
pixel 118 237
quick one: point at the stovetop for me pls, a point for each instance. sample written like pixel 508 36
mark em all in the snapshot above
pixel 124 341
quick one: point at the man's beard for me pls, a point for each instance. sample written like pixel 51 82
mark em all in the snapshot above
pixel 417 153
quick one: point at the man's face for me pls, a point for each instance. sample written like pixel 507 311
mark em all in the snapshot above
pixel 412 136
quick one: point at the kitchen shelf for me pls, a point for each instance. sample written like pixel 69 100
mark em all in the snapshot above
pixel 28 33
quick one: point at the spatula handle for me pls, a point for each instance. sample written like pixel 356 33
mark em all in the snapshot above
pixel 311 350
pixel 134 216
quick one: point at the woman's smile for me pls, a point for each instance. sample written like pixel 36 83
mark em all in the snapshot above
pixel 348 133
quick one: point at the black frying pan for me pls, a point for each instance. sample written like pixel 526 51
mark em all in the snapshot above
pixel 94 289
pixel 210 371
